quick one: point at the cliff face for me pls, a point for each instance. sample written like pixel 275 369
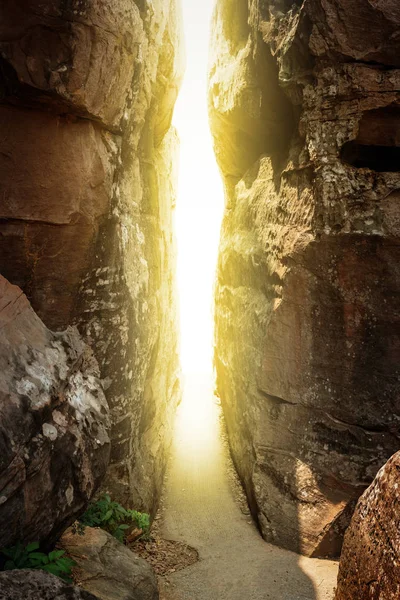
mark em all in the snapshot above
pixel 87 190
pixel 305 107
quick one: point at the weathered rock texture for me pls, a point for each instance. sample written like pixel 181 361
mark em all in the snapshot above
pixel 370 560
pixel 32 585
pixel 305 111
pixel 54 424
pixel 87 190
pixel 107 568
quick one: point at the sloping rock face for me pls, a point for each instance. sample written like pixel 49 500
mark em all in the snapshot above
pixel 107 568
pixel 31 585
pixel 54 424
pixel 87 191
pixel 370 561
pixel 305 112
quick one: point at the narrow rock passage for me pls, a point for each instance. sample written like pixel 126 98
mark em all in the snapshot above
pixel 202 509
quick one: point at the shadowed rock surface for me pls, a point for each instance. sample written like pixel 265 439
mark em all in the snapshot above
pixel 107 568
pixel 370 560
pixel 32 585
pixel 305 108
pixel 54 424
pixel 87 188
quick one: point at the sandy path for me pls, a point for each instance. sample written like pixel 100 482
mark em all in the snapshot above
pixel 202 509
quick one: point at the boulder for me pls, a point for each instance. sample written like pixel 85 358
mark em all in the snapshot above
pixel 107 568
pixel 54 424
pixel 38 585
pixel 370 561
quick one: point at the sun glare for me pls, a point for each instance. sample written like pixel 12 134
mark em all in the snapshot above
pixel 200 196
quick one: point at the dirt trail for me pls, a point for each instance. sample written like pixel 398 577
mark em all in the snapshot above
pixel 202 508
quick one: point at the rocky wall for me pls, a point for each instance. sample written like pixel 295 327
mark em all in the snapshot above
pixel 87 188
pixel 305 113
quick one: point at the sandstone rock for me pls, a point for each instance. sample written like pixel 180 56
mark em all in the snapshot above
pixel 307 321
pixel 370 561
pixel 248 115
pixel 51 206
pixel 107 568
pixel 79 56
pixel 32 585
pixel 54 424
pixel 87 189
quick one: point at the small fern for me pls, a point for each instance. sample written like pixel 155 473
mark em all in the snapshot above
pixel 29 557
pixel 113 518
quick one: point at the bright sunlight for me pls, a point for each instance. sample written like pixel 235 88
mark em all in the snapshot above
pixel 200 196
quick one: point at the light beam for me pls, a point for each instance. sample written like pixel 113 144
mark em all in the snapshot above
pixel 200 196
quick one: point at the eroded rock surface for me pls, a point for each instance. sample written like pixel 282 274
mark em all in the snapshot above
pixel 370 560
pixel 32 585
pixel 107 568
pixel 87 191
pixel 305 111
pixel 54 424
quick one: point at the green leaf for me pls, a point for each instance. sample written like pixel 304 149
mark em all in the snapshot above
pixel 56 554
pixel 32 547
pixel 23 561
pixel 119 535
pixel 35 564
pixel 9 565
pixel 66 564
pixel 38 555
pixel 9 552
pixel 52 568
pixel 18 550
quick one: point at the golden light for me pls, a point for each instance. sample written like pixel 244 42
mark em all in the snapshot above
pixel 200 196
pixel 197 430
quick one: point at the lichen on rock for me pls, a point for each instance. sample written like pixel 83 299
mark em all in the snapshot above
pixel 54 424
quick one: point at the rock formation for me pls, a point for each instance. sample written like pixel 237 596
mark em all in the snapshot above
pixel 32 585
pixel 370 561
pixel 305 112
pixel 107 568
pixel 54 424
pixel 87 89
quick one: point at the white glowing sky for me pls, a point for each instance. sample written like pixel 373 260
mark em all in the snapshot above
pixel 200 195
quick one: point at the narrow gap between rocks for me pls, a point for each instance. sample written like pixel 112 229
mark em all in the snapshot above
pixel 205 544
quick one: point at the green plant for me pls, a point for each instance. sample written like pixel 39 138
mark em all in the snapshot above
pixel 142 521
pixel 114 518
pixel 28 557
